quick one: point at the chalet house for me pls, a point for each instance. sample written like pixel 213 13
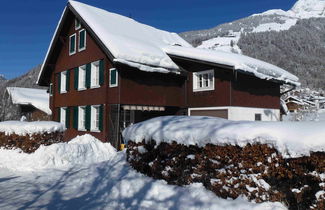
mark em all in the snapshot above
pixel 106 71
pixel 29 103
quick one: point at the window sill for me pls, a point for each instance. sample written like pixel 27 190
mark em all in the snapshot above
pixel 81 49
pixel 62 92
pixel 111 86
pixel 72 53
pixel 82 129
pixel 95 86
pixel 95 131
pixel 81 89
pixel 200 90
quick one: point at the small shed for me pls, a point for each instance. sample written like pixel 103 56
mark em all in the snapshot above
pixel 29 103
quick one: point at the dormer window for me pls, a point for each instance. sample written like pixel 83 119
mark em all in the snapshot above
pixel 82 40
pixel 72 44
pixel 77 24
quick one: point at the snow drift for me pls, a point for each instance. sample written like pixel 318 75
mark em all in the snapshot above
pixel 82 150
pixel 291 139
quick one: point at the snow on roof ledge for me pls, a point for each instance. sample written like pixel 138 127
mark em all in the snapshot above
pixel 258 68
pixel 146 68
pixel 39 98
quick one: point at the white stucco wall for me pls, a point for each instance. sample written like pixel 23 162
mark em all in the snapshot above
pixel 245 113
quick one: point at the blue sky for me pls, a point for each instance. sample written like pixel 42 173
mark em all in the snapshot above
pixel 27 26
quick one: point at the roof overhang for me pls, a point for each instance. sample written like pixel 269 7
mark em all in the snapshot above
pixel 227 67
pixel 42 81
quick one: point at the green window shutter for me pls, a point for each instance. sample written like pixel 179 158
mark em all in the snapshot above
pixel 88 72
pixel 72 44
pixel 75 117
pixel 59 82
pixel 59 114
pixel 88 118
pixel 101 113
pixel 113 76
pixel 101 72
pixel 82 39
pixel 68 80
pixel 76 78
pixel 67 117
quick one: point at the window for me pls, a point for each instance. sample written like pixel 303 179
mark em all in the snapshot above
pixel 63 113
pixel 82 40
pixel 94 74
pixel 82 78
pixel 77 24
pixel 72 44
pixel 203 81
pixel 63 82
pixel 258 117
pixel 82 118
pixel 95 112
pixel 113 77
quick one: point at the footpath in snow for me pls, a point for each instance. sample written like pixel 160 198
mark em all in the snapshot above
pixel 88 174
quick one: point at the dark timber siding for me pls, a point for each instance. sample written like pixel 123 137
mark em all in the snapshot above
pixel 231 88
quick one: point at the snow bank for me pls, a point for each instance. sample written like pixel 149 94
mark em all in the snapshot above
pixel 291 139
pixel 243 63
pixel 38 98
pixel 112 184
pixel 82 150
pixel 22 128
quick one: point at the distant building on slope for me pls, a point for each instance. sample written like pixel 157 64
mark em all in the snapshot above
pixel 26 103
pixel 105 72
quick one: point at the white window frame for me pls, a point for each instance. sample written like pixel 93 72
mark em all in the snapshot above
pixel 94 76
pixel 110 78
pixel 82 77
pixel 82 118
pixel 85 44
pixel 75 44
pixel 77 24
pixel 94 118
pixel 63 114
pixel 63 82
pixel 210 80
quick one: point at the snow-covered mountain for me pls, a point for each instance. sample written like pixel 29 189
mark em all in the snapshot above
pixel 2 79
pixel 298 35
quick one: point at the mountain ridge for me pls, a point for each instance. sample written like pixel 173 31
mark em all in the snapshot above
pixel 297 35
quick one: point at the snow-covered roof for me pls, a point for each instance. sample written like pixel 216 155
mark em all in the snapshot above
pixel 147 48
pixel 39 98
pixel 239 62
pixel 291 139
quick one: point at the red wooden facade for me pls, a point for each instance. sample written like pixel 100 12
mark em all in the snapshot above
pixel 135 87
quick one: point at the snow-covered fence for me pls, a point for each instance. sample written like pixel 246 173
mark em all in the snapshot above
pixel 28 136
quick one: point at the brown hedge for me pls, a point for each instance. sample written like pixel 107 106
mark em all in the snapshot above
pixel 231 171
pixel 29 143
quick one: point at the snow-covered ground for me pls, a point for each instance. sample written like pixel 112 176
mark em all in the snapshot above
pixel 89 174
pixel 291 139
